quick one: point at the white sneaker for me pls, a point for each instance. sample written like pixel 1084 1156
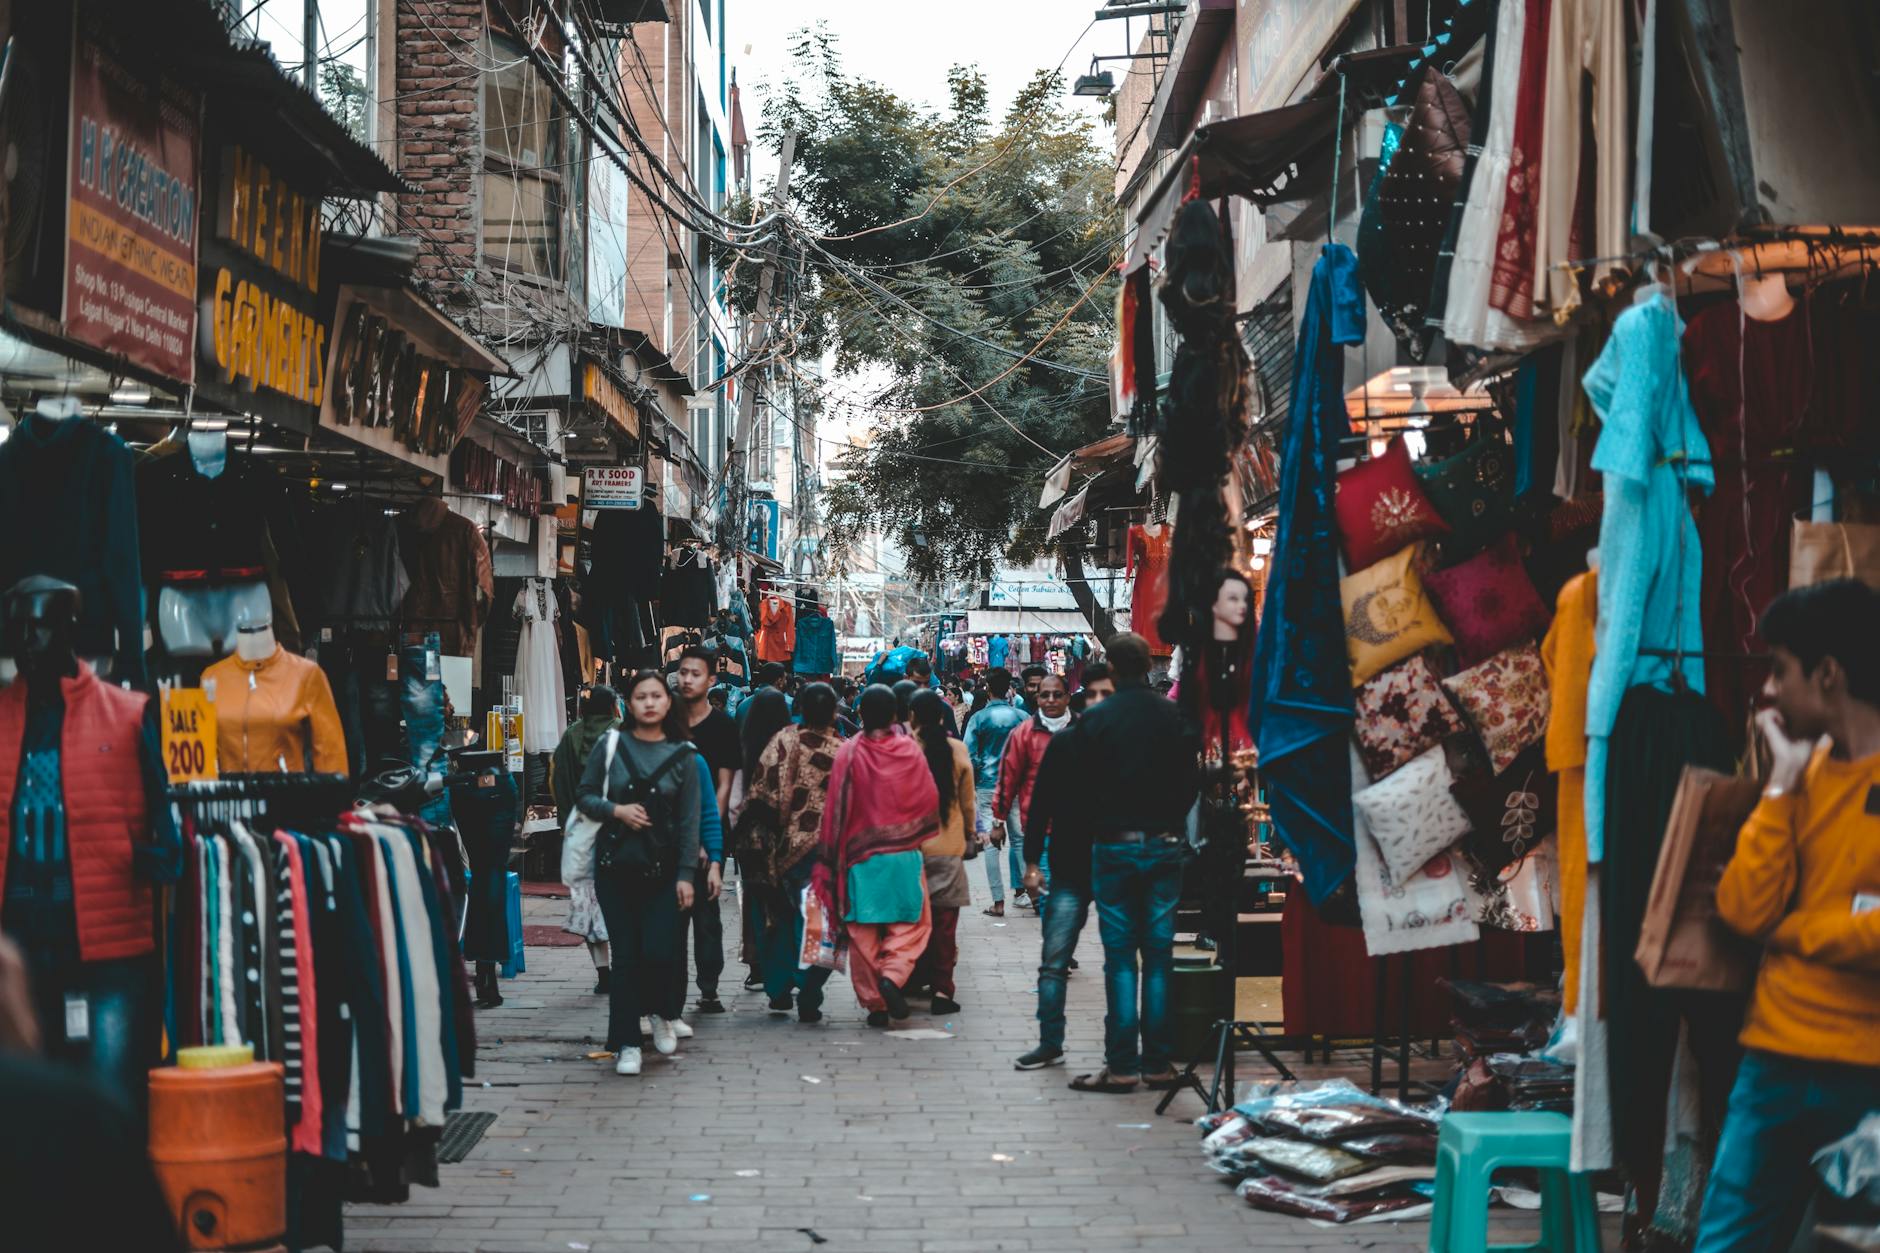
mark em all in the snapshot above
pixel 646 1026
pixel 627 1062
pixel 665 1039
pixel 681 1028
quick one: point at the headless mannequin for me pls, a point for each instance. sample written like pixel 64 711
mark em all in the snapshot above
pixel 275 710
pixel 97 1014
pixel 255 641
pixel 209 451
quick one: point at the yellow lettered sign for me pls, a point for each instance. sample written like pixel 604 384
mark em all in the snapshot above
pixel 189 735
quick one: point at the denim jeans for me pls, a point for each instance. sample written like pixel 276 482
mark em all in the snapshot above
pixel 421 704
pixel 1137 886
pixel 123 1009
pixel 1065 912
pixel 1782 1110
pixel 780 943
pixel 983 823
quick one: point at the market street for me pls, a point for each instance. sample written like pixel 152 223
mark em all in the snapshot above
pixel 762 1131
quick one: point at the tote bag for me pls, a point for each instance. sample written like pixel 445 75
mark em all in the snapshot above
pixel 1682 943
pixel 577 838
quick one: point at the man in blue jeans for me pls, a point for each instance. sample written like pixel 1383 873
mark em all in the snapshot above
pixel 1136 764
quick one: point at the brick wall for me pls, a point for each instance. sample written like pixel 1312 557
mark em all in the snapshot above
pixel 439 149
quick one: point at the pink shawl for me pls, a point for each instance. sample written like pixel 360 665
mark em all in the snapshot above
pixel 882 799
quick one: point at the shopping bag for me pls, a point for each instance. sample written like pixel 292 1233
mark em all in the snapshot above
pixel 1683 944
pixel 578 837
pixel 824 944
pixel 1819 551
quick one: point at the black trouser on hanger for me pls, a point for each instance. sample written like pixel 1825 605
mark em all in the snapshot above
pixel 1656 735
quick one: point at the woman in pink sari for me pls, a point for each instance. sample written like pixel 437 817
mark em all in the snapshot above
pixel 882 807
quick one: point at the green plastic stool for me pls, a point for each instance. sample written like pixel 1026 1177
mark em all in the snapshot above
pixel 1472 1147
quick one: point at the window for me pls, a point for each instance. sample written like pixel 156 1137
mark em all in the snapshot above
pixel 522 188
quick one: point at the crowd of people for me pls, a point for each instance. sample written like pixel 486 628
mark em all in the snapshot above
pixel 851 812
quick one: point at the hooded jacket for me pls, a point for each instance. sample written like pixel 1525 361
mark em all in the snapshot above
pixel 577 745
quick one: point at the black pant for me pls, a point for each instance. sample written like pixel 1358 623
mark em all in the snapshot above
pixel 1655 736
pixel 705 927
pixel 642 924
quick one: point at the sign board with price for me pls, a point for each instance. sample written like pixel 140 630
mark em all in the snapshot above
pixel 189 735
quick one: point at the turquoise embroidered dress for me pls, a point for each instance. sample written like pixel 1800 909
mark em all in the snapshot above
pixel 1650 450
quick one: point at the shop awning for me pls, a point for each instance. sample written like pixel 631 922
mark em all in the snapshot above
pixel 1270 157
pixel 1026 622
pixel 1094 456
pixel 1068 514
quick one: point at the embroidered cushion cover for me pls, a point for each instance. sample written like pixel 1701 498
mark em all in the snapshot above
pixel 1412 815
pixel 1505 699
pixel 1474 492
pixel 1488 602
pixel 1509 813
pixel 1388 615
pixel 1400 713
pixel 1381 508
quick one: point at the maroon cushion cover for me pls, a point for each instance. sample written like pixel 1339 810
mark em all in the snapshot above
pixel 1382 508
pixel 1488 602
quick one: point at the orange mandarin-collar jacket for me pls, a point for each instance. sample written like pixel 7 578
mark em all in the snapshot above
pixel 287 715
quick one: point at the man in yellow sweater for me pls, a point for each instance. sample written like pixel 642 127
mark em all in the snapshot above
pixel 1805 881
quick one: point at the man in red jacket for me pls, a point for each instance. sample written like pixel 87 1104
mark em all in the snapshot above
pixel 1024 751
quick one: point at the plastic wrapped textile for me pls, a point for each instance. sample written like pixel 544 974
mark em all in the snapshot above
pixel 1851 1165
pixel 1320 1163
pixel 1534 1083
pixel 1330 1124
pixel 1407 1147
pixel 1269 1193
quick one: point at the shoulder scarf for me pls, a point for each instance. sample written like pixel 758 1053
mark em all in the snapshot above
pixel 882 799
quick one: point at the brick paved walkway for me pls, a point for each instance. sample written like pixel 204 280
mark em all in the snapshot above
pixel 761 1132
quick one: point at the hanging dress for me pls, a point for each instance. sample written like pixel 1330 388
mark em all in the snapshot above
pixel 538 669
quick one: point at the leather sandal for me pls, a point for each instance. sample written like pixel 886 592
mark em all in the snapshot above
pixel 1104 1082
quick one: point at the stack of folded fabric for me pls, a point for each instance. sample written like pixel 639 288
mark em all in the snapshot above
pixel 1325 1150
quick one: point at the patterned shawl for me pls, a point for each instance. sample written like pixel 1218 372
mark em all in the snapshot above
pixel 781 818
pixel 882 799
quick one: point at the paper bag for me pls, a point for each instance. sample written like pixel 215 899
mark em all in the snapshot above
pixel 1820 551
pixel 1682 943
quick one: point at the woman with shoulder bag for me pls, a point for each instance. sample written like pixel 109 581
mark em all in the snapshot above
pixel 643 788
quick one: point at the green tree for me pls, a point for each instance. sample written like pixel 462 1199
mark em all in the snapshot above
pixel 343 93
pixel 1013 222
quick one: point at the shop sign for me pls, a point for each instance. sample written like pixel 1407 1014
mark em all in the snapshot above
pixel 599 390
pixel 386 388
pixel 613 487
pixel 503 732
pixel 189 735
pixel 130 246
pixel 263 344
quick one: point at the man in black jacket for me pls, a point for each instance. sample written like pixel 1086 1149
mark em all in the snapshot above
pixel 1137 772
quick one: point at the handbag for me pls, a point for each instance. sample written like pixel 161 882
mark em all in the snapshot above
pixel 824 944
pixel 1682 943
pixel 1819 551
pixel 579 836
pixel 647 853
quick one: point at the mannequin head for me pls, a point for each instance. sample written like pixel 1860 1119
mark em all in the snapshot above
pixel 41 618
pixel 1233 606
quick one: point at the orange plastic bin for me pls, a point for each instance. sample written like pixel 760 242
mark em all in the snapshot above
pixel 218 1143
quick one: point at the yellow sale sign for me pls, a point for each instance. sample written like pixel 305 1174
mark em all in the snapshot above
pixel 189 735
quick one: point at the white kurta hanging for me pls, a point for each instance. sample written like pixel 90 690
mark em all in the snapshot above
pixel 538 669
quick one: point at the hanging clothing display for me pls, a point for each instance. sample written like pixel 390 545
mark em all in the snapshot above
pixel 538 668
pixel 776 637
pixel 68 509
pixel 366 581
pixel 486 809
pixel 452 582
pixel 1567 653
pixel 1146 560
pixel 275 715
pixel 1300 706
pixel 815 644
pixel 998 651
pixel 688 592
pixel 1590 55
pixel 1751 385
pixel 1650 451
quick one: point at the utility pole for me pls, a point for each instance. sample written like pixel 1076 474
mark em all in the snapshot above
pixel 310 45
pixel 756 337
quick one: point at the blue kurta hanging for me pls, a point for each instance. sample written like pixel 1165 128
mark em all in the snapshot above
pixel 1300 707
